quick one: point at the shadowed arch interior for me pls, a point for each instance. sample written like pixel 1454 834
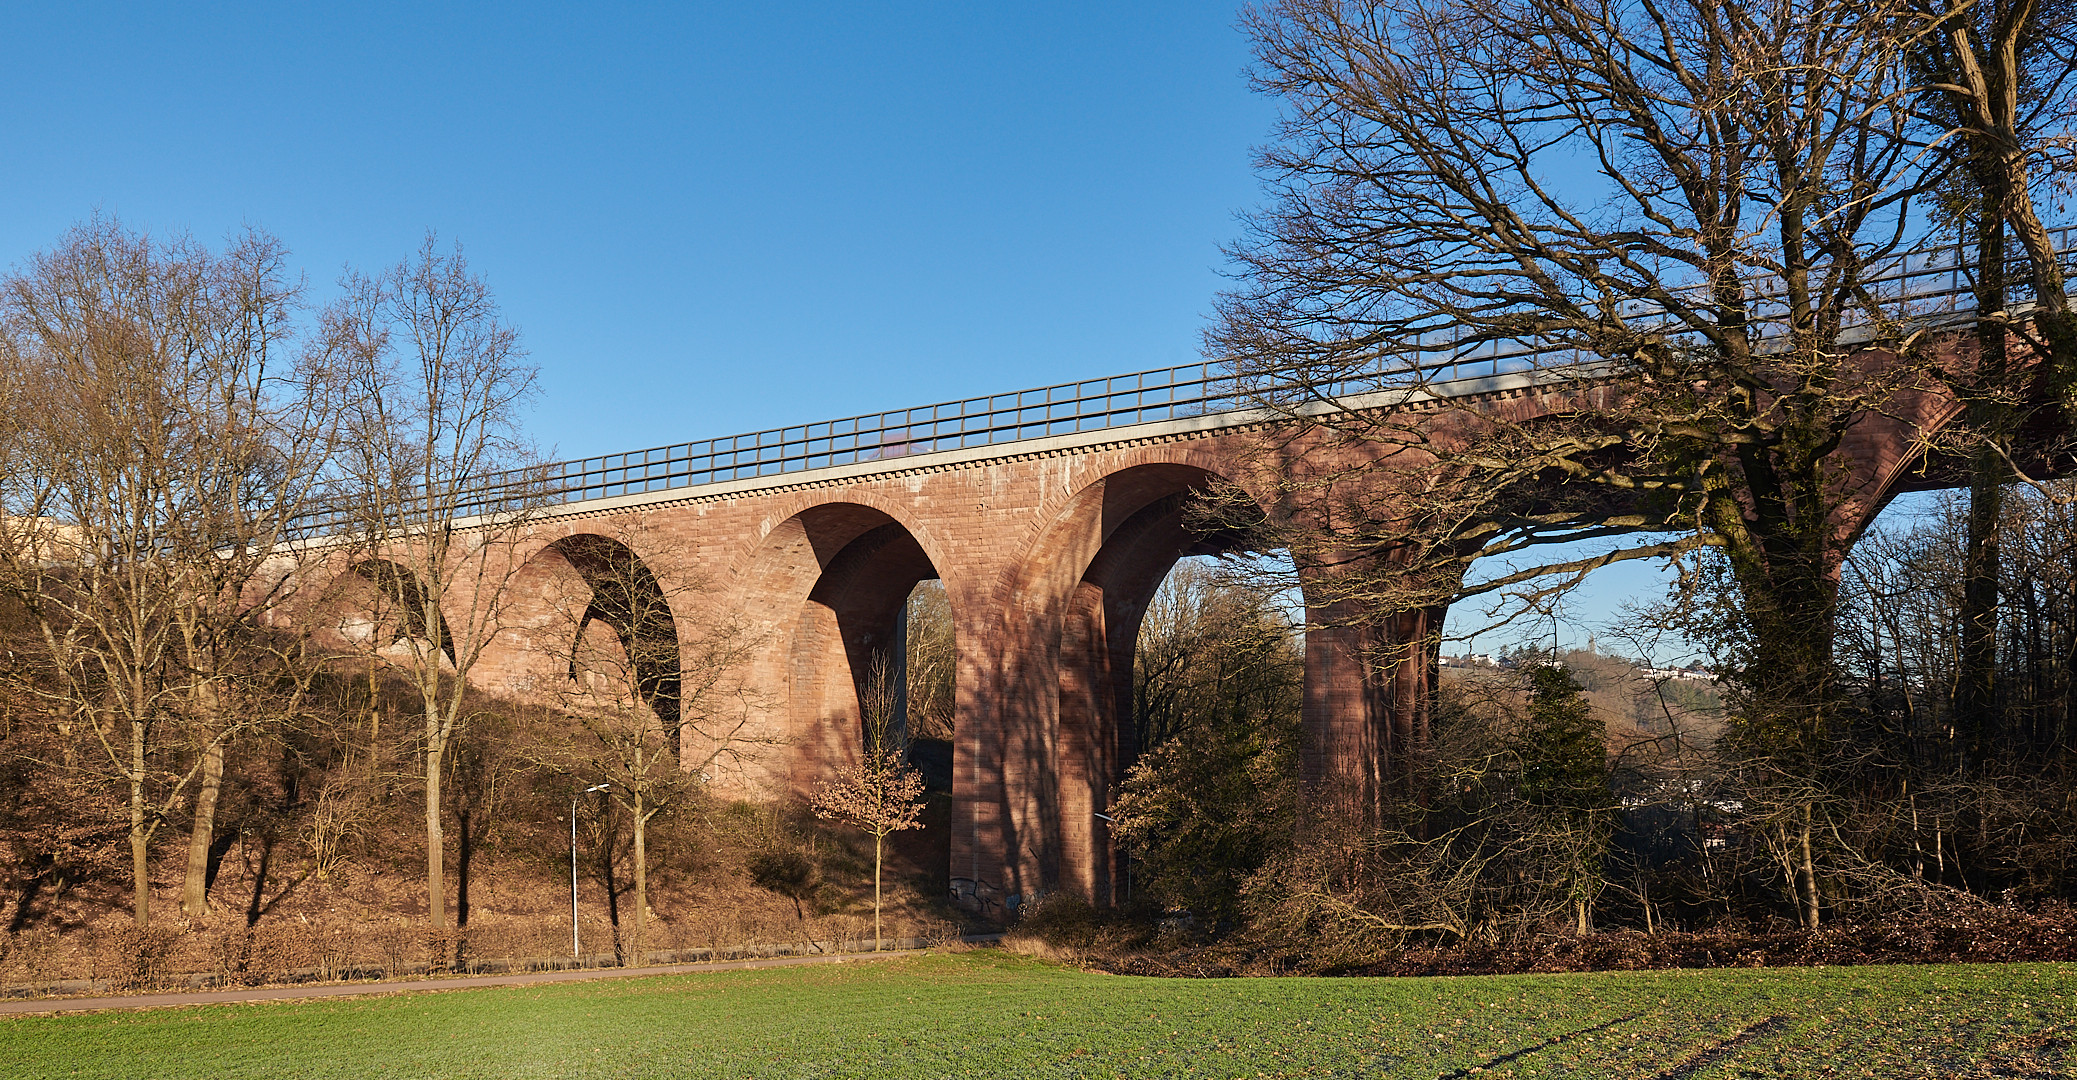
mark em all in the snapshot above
pixel 867 586
pixel 627 598
pixel 398 586
pixel 838 577
pixel 1098 650
pixel 1113 545
pixel 1126 574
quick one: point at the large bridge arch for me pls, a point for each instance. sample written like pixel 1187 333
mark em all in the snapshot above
pixel 1059 693
pixel 586 607
pixel 824 588
pixel 1098 653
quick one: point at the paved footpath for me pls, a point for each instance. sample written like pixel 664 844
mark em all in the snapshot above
pixel 329 990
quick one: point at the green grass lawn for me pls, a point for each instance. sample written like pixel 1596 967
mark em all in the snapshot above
pixel 985 1014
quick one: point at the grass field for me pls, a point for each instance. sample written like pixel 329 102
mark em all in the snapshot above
pixel 986 1014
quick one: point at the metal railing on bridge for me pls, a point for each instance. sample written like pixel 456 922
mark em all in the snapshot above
pixel 1931 281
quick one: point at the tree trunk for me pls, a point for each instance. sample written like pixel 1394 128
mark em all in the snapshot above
pixel 375 732
pixel 465 825
pixel 879 846
pixel 1976 698
pixel 194 896
pixel 435 841
pixel 2051 315
pixel 612 895
pixel 1790 694
pixel 1990 422
pixel 1918 850
pixel 1810 902
pixel 140 832
pixel 641 942
pixel 140 859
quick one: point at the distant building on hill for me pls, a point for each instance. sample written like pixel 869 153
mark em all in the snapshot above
pixel 1692 672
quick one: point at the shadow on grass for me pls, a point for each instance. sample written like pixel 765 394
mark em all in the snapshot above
pixel 1555 1040
pixel 1724 1049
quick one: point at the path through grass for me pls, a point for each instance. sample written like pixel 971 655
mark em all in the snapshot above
pixel 986 1014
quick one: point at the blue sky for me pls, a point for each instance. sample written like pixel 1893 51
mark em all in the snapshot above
pixel 705 218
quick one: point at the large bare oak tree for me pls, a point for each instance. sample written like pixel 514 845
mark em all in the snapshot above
pixel 1676 219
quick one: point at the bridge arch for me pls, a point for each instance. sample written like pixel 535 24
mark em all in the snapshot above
pixel 826 587
pixel 1065 692
pixel 588 615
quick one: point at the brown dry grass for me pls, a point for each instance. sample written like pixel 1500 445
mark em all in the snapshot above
pixel 367 918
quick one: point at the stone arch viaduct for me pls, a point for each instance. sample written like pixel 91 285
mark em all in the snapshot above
pixel 1050 516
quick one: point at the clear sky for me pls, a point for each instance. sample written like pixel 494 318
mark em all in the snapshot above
pixel 706 218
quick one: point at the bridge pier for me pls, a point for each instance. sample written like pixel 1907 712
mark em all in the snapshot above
pixel 1370 681
pixel 1046 728
pixel 1096 737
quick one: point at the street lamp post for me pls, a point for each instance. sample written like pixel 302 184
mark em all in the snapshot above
pixel 576 950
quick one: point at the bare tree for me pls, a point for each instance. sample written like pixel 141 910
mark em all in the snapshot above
pixel 1697 197
pixel 1674 219
pixel 1995 101
pixel 1938 800
pixel 1992 78
pixel 162 439
pixel 438 471
pixel 275 415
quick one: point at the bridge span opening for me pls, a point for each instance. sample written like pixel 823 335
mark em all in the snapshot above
pixel 599 625
pixel 828 588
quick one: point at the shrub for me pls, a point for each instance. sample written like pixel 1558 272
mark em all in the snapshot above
pixel 143 957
